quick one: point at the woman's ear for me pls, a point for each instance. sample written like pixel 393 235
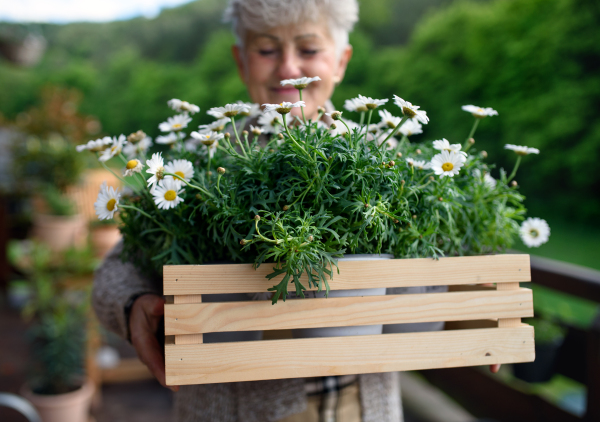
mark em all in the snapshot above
pixel 343 64
pixel 238 57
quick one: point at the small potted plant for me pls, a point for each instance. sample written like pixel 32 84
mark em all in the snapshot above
pixel 549 337
pixel 57 385
pixel 303 191
pixel 104 234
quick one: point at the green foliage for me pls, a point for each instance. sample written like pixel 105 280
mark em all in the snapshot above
pixel 546 331
pixel 304 203
pixel 59 315
pixel 57 202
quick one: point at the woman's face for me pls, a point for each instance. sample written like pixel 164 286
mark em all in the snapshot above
pixel 289 52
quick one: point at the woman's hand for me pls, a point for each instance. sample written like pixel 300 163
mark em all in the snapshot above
pixel 146 315
pixel 494 368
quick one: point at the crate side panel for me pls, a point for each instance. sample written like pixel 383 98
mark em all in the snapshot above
pixel 344 311
pixel 276 359
pixel 243 278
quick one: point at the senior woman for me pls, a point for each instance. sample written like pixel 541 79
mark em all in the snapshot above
pixel 276 40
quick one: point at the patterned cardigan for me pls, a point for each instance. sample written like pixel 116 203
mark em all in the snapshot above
pixel 253 401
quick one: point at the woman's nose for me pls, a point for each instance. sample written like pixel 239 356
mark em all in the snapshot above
pixel 290 65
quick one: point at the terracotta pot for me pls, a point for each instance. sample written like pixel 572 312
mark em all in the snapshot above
pixel 69 407
pixel 104 238
pixel 60 232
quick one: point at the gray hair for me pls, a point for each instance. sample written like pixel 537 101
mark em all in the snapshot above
pixel 256 15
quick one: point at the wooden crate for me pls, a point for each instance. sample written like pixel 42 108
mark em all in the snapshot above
pixel 504 340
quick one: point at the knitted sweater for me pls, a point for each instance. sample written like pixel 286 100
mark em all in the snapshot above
pixel 253 401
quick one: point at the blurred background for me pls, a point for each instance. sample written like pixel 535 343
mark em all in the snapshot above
pixel 75 71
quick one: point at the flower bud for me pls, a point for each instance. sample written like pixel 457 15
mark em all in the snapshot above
pixel 227 135
pixel 400 230
pixel 136 137
pixel 418 151
pixel 333 126
pixel 420 236
pixel 484 154
pixel 367 205
pixel 440 199
pixel 221 170
pixel 280 136
pixel 256 131
pixel 321 109
pixel 392 163
pixel 399 155
pixel 414 217
pixel 209 173
pixel 199 197
pixel 286 207
pixel 244 133
pixel 271 150
pixel 396 221
pixel 310 238
pixel 243 242
pixel 402 182
pixel 257 217
pixel 471 141
pixel 431 178
pixel 336 115
pixel 514 184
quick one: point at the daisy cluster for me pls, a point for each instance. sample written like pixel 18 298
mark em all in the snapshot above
pixel 258 182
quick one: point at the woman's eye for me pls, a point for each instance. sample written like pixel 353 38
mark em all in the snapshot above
pixel 266 52
pixel 309 52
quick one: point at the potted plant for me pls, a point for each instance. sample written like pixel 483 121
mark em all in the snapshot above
pixel 104 234
pixel 309 193
pixel 57 385
pixel 549 337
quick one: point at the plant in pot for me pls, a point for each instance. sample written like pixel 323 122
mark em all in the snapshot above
pixel 57 385
pixel 48 167
pixel 549 337
pixel 104 235
pixel 303 193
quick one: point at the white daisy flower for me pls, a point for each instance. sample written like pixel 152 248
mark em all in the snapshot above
pixel 181 106
pixel 419 164
pixel 444 145
pixel 132 150
pixel 96 145
pixel 388 120
pixel 115 148
pixel 272 122
pixel 479 112
pixel 230 110
pixel 256 130
pixel 372 103
pixel 107 203
pixel 216 126
pixel 534 232
pixel 355 104
pixel 175 123
pixel 447 163
pixel 412 111
pixel 212 149
pixel 133 166
pixel 253 111
pixel 207 138
pixel 335 115
pixel 282 108
pixel 411 127
pixel 521 150
pixel 299 83
pixel 182 168
pixel 169 139
pixel 155 168
pixel 166 194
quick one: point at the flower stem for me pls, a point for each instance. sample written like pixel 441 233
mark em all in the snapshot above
pixel 131 207
pixel 237 137
pixel 514 172
pixel 471 134
pixel 302 108
pixel 189 184
pixel 362 118
pixel 294 139
pixel 396 129
pixel 117 176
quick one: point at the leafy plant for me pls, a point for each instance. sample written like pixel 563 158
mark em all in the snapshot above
pixel 307 195
pixel 57 202
pixel 58 312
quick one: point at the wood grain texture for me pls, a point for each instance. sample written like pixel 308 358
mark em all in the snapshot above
pixel 242 278
pixel 344 311
pixel 508 322
pixel 275 359
pixel 188 339
pixel 187 299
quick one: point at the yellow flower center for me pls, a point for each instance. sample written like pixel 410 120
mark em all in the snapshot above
pixel 180 174
pixel 131 164
pixel 408 112
pixel 534 233
pixel 447 166
pixel 177 126
pixel 170 195
pixel 110 205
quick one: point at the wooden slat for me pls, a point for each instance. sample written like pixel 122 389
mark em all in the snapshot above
pixel 188 339
pixel 504 322
pixel 187 299
pixel 241 278
pixel 276 359
pixel 343 311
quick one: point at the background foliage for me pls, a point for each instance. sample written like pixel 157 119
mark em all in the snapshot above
pixel 536 61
